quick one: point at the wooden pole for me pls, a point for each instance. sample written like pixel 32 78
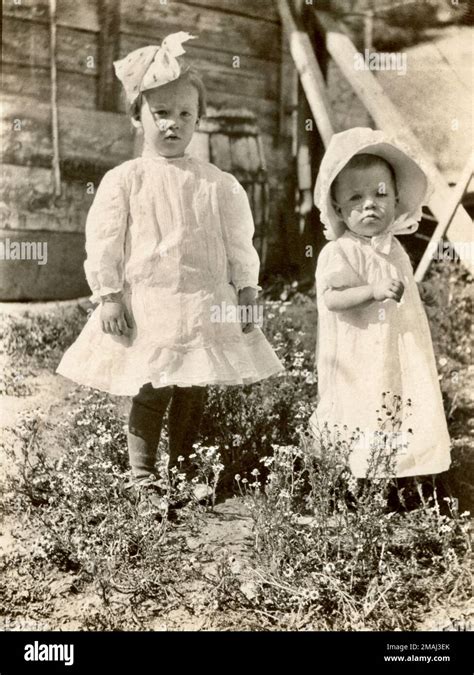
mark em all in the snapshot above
pixel 109 51
pixel 368 30
pixel 287 76
pixel 54 99
pixel 388 118
pixel 309 71
pixel 457 193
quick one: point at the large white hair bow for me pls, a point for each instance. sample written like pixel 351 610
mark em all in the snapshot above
pixel 152 66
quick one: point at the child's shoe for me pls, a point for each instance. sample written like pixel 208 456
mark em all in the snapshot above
pixel 200 492
pixel 148 495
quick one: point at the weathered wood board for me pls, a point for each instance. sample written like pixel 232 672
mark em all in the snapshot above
pixel 28 202
pixel 91 137
pixel 83 14
pixel 27 43
pixel 62 278
pixel 217 30
pixel 73 88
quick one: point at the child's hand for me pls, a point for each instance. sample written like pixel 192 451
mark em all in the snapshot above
pixel 390 289
pixel 426 294
pixel 247 298
pixel 115 318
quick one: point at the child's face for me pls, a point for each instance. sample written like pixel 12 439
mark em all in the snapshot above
pixel 169 117
pixel 365 198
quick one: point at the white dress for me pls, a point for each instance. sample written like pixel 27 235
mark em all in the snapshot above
pixel 175 235
pixel 381 347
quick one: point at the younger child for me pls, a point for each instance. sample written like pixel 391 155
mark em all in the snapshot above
pixel 373 334
pixel 168 239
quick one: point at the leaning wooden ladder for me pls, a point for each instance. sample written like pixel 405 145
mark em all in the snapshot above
pixel 445 202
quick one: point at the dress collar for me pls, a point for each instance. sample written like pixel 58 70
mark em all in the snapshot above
pixel 382 243
pixel 150 154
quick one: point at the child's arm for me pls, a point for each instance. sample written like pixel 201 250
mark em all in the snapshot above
pixel 338 300
pixel 105 243
pixel 237 231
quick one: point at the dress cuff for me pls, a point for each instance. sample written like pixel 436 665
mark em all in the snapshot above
pixel 97 295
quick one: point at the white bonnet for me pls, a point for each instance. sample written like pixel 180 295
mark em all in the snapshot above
pixel 412 181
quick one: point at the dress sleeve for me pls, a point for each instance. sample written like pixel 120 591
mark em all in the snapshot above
pixel 238 230
pixel 334 270
pixel 105 236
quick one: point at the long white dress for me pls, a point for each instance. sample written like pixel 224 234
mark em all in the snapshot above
pixel 175 235
pixel 380 347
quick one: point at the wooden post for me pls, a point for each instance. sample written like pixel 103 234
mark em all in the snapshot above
pixel 457 193
pixel 109 51
pixel 388 118
pixel 288 75
pixel 368 30
pixel 54 99
pixel 309 71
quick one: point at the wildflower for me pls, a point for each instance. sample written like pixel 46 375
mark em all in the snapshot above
pixel 352 485
pixel 255 472
pixel 267 461
pixel 237 477
pixel 444 529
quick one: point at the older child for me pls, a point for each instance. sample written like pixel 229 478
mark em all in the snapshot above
pixel 169 239
pixel 374 350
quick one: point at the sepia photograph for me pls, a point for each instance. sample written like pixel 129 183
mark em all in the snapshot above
pixel 236 310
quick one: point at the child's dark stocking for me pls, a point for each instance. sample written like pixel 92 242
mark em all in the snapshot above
pixel 187 407
pixel 144 428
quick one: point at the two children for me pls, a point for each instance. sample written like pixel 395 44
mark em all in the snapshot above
pixel 170 237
